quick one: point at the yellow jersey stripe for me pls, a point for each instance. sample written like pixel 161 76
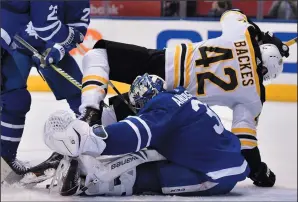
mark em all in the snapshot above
pixel 96 78
pixel 254 64
pixel 92 87
pixel 177 65
pixel 248 143
pixel 244 131
pixel 188 62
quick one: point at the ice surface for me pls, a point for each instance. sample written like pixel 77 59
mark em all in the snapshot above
pixel 277 134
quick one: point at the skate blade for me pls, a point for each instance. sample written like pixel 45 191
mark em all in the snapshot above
pixel 8 176
pixel 31 179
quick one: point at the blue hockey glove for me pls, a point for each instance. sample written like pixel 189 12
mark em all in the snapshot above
pixel 51 56
pixel 74 37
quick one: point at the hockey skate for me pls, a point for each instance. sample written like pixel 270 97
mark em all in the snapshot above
pixel 12 170
pixel 42 171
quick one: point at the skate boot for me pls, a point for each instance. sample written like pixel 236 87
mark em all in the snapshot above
pixel 42 171
pixel 12 170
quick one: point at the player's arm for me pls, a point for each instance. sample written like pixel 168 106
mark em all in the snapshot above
pixel 244 127
pixel 5 42
pixel 235 23
pixel 78 15
pixel 75 137
pixel 48 19
pixel 47 23
pixel 135 133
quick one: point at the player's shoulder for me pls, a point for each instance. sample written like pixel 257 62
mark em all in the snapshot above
pixel 171 99
pixel 234 14
pixel 15 6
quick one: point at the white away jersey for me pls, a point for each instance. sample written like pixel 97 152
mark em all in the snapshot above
pixel 222 71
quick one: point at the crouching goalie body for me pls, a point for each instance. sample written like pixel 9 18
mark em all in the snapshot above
pixel 174 145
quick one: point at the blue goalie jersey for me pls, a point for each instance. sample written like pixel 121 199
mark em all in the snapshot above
pixel 185 131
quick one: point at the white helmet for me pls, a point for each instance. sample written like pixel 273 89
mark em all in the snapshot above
pixel 272 61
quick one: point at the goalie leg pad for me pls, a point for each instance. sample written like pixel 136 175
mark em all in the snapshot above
pixel 120 186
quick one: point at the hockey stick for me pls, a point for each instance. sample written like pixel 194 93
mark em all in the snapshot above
pixel 40 56
pixel 109 171
pixel 82 51
pixel 57 69
pixel 291 42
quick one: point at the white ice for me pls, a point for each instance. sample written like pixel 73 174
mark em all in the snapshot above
pixel 277 134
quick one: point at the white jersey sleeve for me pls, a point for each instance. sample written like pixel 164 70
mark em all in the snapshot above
pixel 244 125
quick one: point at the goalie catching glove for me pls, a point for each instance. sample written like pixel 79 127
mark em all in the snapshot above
pixel 73 137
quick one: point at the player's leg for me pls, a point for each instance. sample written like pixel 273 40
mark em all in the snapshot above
pixel 116 61
pixel 177 180
pixel 61 87
pixel 15 103
pixel 160 177
pixel 127 61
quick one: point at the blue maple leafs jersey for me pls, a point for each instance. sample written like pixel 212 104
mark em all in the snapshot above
pixel 185 131
pixel 40 22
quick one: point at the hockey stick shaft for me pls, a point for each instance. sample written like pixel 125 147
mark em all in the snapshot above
pixel 40 56
pixel 82 51
pixel 291 42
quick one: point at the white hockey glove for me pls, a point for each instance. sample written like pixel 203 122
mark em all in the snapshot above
pixel 73 137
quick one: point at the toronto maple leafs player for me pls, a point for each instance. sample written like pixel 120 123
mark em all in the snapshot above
pixel 202 157
pixel 51 27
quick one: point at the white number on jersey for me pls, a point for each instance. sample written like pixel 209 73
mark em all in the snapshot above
pixel 221 54
pixel 84 18
pixel 219 128
pixel 52 16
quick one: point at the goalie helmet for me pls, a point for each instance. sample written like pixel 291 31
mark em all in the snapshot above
pixel 272 61
pixel 144 88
